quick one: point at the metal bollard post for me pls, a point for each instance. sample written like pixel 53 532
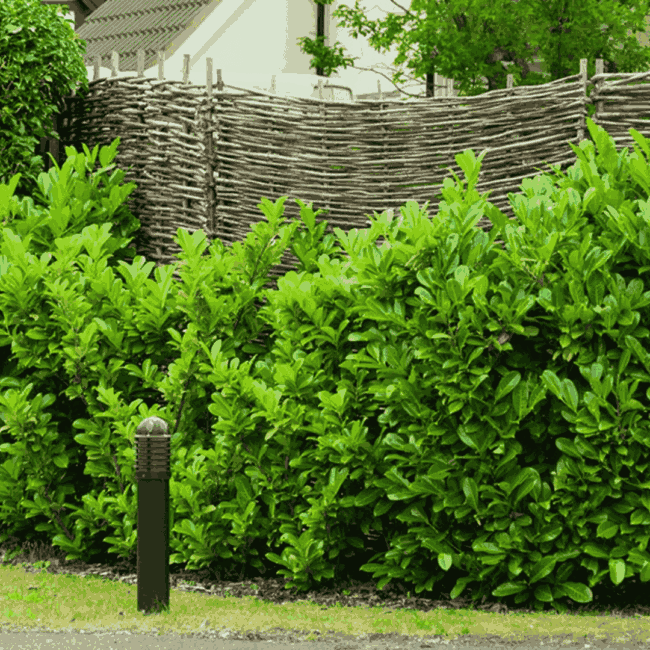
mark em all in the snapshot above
pixel 152 473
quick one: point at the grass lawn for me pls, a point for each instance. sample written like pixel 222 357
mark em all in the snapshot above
pixel 33 598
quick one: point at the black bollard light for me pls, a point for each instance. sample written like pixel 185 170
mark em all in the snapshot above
pixel 152 474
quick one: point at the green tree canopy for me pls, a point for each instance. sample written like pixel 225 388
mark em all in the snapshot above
pixel 466 40
pixel 41 61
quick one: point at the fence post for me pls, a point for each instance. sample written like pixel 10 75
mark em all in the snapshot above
pixel 152 473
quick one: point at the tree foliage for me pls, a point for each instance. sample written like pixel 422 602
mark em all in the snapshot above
pixel 467 40
pixel 41 61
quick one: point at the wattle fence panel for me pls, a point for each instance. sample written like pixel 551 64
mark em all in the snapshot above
pixel 202 157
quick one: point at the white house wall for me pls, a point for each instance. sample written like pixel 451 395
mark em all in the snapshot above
pixel 257 39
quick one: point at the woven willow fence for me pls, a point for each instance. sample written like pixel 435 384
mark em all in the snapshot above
pixel 202 158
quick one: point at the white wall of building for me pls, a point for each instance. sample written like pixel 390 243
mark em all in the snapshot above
pixel 256 40
pixel 250 50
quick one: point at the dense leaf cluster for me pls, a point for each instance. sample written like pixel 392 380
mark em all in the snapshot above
pixel 483 44
pixel 488 419
pixel 41 61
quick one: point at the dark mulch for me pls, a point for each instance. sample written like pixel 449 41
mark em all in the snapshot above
pixel 627 600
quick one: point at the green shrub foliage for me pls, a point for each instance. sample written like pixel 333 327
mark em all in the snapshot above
pixel 41 62
pixel 483 408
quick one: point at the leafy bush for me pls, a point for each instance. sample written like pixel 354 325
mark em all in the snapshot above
pixel 42 61
pixel 510 448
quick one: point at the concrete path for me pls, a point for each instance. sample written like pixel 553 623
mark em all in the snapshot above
pixel 212 640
